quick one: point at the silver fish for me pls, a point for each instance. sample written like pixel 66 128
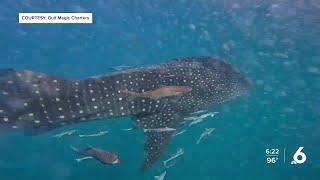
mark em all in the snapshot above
pixel 101 133
pixel 128 129
pixel 202 117
pixel 180 152
pixel 181 132
pixel 60 135
pixel 84 158
pixel 165 129
pixel 191 118
pixel 199 112
pixel 207 132
pixel 161 176
pixel 211 114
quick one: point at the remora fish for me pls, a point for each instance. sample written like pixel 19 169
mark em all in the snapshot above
pixel 165 129
pixel 38 102
pixel 161 92
pixel 101 155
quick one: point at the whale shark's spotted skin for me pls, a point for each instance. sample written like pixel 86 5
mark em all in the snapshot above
pixel 38 102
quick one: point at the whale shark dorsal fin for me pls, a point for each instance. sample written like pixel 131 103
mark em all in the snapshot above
pixel 157 141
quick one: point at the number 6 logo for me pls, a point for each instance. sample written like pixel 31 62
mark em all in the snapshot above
pixel 299 157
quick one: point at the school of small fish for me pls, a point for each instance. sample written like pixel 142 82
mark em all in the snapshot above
pixel 197 117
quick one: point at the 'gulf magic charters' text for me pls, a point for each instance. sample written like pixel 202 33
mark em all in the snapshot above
pixel 66 18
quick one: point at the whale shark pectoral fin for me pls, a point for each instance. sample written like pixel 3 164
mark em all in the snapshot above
pixel 155 145
pixel 157 141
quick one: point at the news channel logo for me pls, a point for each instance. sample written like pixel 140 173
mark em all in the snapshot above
pixel 276 155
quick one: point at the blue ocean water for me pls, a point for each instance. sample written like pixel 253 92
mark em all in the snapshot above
pixel 276 43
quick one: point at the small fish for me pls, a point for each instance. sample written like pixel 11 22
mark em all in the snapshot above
pixel 170 164
pixel 70 132
pixel 211 114
pixel 226 47
pixel 164 91
pixel 191 118
pixel 84 158
pixel 181 132
pixel 166 129
pixel 201 118
pixel 180 152
pixel 101 133
pixel 199 112
pixel 101 155
pixel 207 132
pixel 161 176
pixel 128 129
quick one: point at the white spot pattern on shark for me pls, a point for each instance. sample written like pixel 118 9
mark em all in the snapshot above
pixel 38 102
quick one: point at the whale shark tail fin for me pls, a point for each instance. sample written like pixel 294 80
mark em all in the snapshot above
pixel 27 99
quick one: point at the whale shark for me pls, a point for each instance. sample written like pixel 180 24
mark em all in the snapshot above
pixel 37 102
